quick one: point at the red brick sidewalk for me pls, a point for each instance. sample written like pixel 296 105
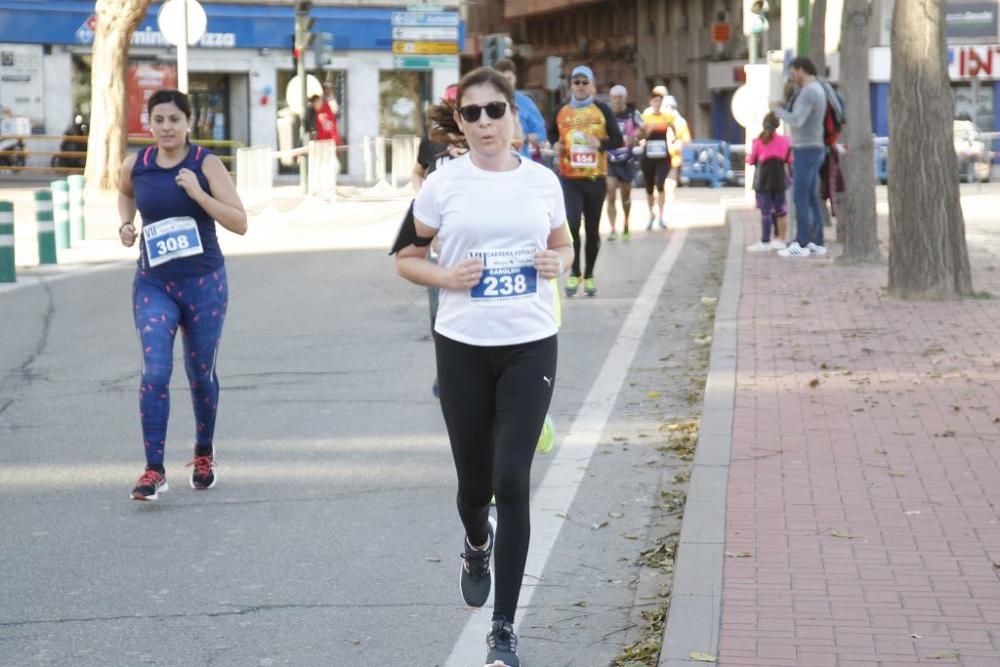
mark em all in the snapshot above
pixel 862 521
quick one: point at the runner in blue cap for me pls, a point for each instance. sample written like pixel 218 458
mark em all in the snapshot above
pixel 583 130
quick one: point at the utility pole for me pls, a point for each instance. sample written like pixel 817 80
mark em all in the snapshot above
pixel 802 45
pixel 303 38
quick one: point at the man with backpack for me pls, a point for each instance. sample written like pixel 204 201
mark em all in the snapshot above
pixel 805 114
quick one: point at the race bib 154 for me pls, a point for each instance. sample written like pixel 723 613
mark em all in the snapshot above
pixel 582 157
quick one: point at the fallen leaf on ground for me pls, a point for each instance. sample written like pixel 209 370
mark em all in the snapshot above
pixel 912 512
pixel 916 636
pixel 615 515
pixel 598 526
pixel 702 657
pixel 653 394
pixel 433 559
pixel 581 603
pixel 944 656
pixel 896 473
pixel 741 554
pixel 814 382
pixel 840 533
pixel 619 438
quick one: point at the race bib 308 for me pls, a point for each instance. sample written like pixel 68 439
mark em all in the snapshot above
pixel 170 239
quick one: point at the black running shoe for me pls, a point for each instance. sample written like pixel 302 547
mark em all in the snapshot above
pixel 203 475
pixel 475 579
pixel 149 486
pixel 501 644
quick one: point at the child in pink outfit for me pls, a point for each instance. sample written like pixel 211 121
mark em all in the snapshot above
pixel 770 152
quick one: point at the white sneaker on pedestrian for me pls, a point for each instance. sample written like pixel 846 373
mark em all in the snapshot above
pixel 795 250
pixel 818 250
pixel 777 244
pixel 759 246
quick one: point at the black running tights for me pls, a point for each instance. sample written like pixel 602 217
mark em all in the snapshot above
pixel 494 401
pixel 586 196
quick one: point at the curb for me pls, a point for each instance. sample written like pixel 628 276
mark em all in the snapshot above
pixel 694 620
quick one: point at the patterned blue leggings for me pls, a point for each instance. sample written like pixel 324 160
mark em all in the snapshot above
pixel 198 306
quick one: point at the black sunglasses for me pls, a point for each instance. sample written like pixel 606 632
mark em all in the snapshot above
pixel 581 82
pixel 472 112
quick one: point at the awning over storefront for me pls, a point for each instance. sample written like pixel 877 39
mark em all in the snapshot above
pixel 71 22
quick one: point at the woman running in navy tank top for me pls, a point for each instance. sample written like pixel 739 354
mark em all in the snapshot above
pixel 180 190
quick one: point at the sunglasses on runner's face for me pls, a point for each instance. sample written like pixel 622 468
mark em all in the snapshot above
pixel 472 112
pixel 581 82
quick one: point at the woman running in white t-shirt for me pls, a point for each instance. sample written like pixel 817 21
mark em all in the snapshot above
pixel 501 227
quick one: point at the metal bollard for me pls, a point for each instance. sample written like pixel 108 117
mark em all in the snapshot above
pixel 46 227
pixel 77 219
pixel 7 272
pixel 60 212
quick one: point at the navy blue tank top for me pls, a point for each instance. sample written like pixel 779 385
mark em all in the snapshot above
pixel 158 197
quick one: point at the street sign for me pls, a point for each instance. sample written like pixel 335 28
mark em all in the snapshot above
pixel 722 32
pixel 171 18
pixel 425 33
pixel 424 48
pixel 424 62
pixel 425 18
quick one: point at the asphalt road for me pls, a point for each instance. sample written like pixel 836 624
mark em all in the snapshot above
pixel 331 537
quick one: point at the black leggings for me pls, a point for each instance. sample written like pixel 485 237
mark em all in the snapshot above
pixel 655 172
pixel 494 401
pixel 586 196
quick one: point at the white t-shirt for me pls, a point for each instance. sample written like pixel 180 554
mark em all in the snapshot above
pixel 504 218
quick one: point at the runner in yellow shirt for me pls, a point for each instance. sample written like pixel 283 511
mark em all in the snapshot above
pixel 656 160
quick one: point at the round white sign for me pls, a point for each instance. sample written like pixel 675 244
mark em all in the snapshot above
pixel 292 92
pixel 742 106
pixel 171 21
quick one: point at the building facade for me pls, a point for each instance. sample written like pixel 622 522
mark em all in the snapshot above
pixel 238 72
pixel 695 47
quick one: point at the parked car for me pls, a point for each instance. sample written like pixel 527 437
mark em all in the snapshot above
pixel 973 150
pixel 975 157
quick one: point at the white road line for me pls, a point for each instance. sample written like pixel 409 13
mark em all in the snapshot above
pixel 568 469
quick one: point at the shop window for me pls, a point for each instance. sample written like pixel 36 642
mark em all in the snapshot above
pixel 974 100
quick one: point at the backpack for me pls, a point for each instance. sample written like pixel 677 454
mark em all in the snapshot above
pixel 834 118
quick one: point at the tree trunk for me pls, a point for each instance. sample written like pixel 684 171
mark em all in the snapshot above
pixel 817 36
pixel 928 258
pixel 116 21
pixel 857 221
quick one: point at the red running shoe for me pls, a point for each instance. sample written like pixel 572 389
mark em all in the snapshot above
pixel 203 476
pixel 149 486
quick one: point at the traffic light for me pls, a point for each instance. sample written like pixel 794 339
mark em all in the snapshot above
pixel 754 16
pixel 303 26
pixel 323 49
pixel 496 47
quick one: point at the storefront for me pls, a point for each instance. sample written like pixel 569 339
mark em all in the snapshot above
pixel 238 72
pixel 974 70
